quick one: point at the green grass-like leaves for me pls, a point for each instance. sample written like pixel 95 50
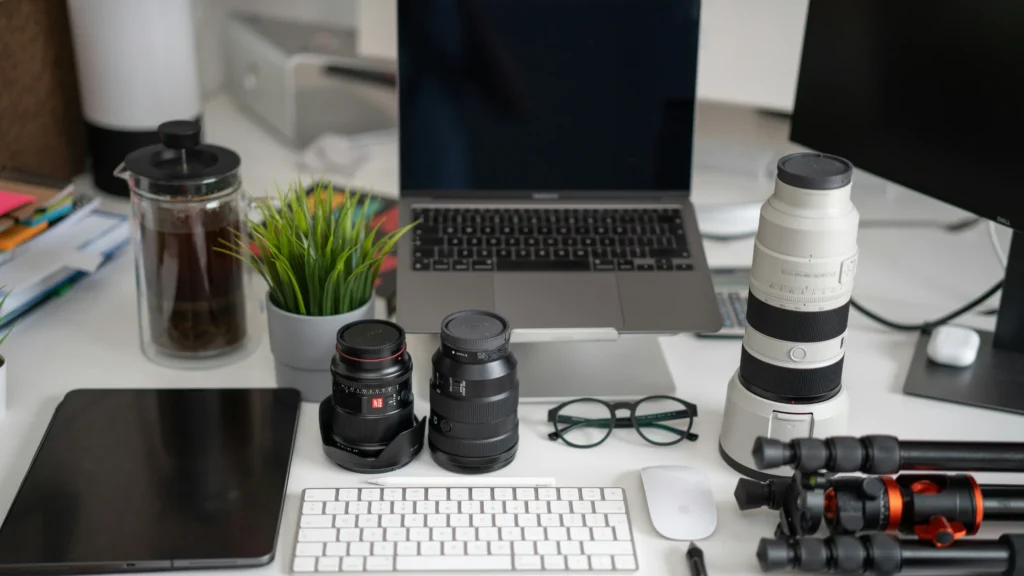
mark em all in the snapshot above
pixel 319 261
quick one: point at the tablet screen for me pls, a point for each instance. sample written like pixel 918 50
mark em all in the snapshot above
pixel 154 478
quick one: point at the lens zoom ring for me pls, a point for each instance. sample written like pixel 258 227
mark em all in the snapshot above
pixel 475 412
pixel 793 326
pixel 474 448
pixel 363 429
pixel 781 384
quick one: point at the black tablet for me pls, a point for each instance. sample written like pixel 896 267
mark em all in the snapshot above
pixel 137 480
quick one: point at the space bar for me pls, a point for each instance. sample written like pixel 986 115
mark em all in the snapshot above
pixel 505 265
pixel 438 563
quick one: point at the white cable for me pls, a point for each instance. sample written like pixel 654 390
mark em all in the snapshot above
pixel 992 234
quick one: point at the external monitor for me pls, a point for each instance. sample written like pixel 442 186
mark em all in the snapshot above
pixel 929 94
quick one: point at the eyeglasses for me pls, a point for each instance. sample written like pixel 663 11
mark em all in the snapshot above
pixel 588 422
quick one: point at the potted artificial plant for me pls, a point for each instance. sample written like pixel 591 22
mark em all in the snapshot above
pixel 3 361
pixel 320 263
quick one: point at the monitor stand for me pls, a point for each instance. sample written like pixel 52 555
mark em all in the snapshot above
pixel 996 379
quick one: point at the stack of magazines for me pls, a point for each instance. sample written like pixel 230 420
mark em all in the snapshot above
pixel 50 236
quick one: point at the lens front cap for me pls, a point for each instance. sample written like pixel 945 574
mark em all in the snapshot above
pixel 814 171
pixel 475 331
pixel 371 339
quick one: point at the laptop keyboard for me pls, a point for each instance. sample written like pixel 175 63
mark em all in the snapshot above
pixel 549 239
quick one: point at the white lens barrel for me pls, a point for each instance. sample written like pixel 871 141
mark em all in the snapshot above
pixel 789 383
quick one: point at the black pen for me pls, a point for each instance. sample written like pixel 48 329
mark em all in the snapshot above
pixel 695 557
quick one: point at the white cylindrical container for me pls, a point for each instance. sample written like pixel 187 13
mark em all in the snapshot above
pixel 137 68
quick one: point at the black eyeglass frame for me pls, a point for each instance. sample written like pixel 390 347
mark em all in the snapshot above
pixel 634 421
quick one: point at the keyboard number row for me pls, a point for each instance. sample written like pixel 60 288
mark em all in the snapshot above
pixel 458 494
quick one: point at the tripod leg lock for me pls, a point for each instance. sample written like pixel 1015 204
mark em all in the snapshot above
pixel 940 532
pixel 1015 542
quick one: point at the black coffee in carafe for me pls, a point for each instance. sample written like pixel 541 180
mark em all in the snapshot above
pixel 188 206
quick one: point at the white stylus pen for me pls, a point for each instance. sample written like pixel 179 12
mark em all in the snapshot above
pixel 459 482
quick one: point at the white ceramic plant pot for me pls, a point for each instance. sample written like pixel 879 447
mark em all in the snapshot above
pixel 3 385
pixel 304 345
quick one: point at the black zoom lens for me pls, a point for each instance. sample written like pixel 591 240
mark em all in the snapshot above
pixel 372 396
pixel 474 395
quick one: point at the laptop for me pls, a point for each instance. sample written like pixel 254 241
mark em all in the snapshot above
pixel 546 151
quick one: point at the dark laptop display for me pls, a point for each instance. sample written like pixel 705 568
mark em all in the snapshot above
pixel 532 95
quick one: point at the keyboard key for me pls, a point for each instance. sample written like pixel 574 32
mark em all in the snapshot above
pixel 407 549
pixel 560 507
pixel 373 534
pixel 380 507
pixel 348 535
pixel 426 507
pixel 572 520
pixel 481 494
pixel 612 548
pixel 318 535
pixel 380 564
pixel 554 562
pixel 404 507
pixel 526 520
pixel 453 563
pixel 537 507
pixel 368 521
pixel 304 564
pixel 454 548
pixel 483 520
pixel 313 508
pixel 448 507
pixel 465 534
pixel 569 494
pixel 578 562
pixel 334 508
pixel 546 548
pixel 686 267
pixel 533 533
pixel 430 548
pixel 419 534
pixel 604 534
pixel 483 264
pixel 511 534
pixel 601 562
pixel 316 521
pixel 580 534
pixel 423 264
pixel 460 265
pixel 414 494
pixel 476 548
pixel 591 493
pixel 469 507
pixel 319 495
pixel 548 520
pixel 352 564
pixel 515 507
pixel 493 507
pixel 582 507
pixel 442 534
pixel 360 548
pixel 415 520
pixel 547 494
pixel 528 563
pixel 396 534
pixel 384 549
pixel 558 534
pixel 358 507
pixel 570 548
pixel 336 549
pixel 369 494
pixel 622 532
pixel 614 507
pixel 309 549
pixel 488 534
pixel 594 520
pixel 625 264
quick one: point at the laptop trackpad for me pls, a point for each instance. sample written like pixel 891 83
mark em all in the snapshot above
pixel 558 300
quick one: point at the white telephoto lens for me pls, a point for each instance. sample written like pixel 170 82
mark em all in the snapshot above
pixel 789 383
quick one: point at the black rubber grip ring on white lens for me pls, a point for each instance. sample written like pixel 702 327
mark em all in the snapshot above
pixel 793 326
pixel 790 385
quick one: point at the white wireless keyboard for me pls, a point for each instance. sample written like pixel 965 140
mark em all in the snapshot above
pixel 464 529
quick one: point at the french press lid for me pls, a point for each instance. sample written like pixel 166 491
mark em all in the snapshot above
pixel 180 166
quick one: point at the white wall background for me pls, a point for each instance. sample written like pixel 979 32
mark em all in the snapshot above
pixel 749 49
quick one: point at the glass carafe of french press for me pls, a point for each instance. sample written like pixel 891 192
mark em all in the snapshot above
pixel 188 205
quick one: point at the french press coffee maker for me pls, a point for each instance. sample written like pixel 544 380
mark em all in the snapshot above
pixel 188 211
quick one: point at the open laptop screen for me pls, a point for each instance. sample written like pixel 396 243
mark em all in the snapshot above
pixel 497 96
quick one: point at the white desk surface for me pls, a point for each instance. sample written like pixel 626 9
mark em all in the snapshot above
pixel 88 338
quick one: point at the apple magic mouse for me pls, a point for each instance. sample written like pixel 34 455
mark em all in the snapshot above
pixel 681 502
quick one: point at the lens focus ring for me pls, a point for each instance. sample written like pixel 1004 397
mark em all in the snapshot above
pixel 789 385
pixel 793 326
pixel 475 448
pixel 475 412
